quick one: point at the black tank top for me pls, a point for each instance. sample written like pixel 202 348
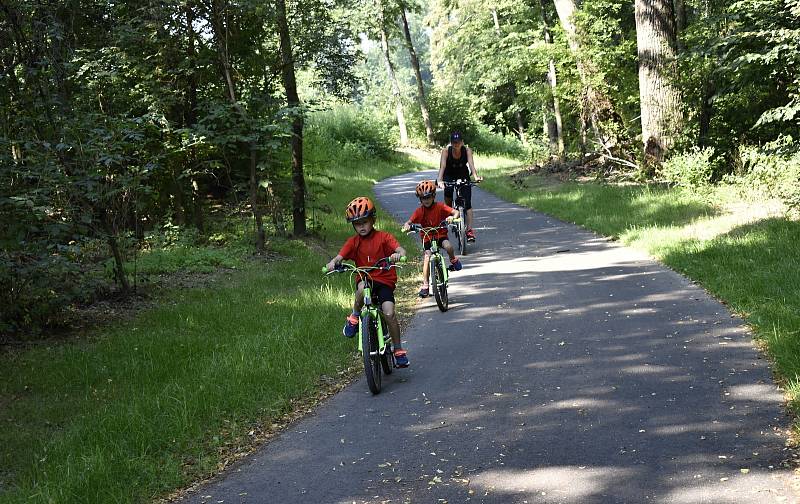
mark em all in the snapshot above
pixel 456 169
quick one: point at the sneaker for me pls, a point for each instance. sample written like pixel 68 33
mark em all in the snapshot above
pixel 455 264
pixel 423 291
pixel 470 235
pixel 351 326
pixel 400 358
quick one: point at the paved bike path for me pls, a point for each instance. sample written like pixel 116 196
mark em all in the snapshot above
pixel 567 370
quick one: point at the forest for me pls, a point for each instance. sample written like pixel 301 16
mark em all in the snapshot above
pixel 174 174
pixel 128 127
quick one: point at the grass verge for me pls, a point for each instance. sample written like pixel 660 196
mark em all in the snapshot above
pixel 745 254
pixel 135 411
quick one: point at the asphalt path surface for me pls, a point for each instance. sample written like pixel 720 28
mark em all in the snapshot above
pixel 568 370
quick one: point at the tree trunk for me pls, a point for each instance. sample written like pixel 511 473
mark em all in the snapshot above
pixel 260 239
pixel 423 106
pixel 190 115
pixel 554 129
pixel 293 99
pixel 520 126
pixel 680 21
pixel 706 112
pixel 660 99
pixel 401 118
pixel 119 270
pixel 221 36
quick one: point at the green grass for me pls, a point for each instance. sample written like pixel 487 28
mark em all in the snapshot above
pixel 136 411
pixel 748 258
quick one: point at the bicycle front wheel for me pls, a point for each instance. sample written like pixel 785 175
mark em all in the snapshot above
pixel 387 358
pixel 439 283
pixel 461 232
pixel 370 353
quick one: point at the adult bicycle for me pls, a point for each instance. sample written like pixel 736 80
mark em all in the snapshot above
pixel 437 267
pixel 460 228
pixel 374 342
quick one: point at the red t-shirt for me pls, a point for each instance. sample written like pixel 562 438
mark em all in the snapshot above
pixel 431 217
pixel 365 251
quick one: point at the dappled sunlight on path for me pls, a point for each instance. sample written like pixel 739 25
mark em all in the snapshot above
pixel 567 370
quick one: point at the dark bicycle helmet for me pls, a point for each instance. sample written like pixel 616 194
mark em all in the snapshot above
pixel 359 208
pixel 426 188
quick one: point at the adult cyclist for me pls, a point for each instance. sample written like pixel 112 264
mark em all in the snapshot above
pixel 457 163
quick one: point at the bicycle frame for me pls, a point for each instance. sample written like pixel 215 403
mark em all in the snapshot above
pixel 373 310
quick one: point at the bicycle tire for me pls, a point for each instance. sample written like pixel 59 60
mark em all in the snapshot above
pixel 461 233
pixel 438 283
pixel 387 359
pixel 369 346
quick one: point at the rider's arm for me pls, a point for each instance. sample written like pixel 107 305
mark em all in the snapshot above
pixel 336 260
pixel 442 165
pixel 398 253
pixel 454 214
pixel 471 163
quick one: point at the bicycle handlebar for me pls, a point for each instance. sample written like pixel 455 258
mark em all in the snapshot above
pixel 342 267
pixel 454 183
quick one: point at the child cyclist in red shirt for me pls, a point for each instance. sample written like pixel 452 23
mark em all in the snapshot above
pixel 431 213
pixel 365 248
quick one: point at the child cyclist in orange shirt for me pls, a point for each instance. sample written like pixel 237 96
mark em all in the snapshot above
pixel 431 213
pixel 365 248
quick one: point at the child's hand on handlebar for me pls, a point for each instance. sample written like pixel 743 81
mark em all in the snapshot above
pixel 331 265
pixel 395 258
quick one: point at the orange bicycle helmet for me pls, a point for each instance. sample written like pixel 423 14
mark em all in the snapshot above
pixel 426 188
pixel 359 208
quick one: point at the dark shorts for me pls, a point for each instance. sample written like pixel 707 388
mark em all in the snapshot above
pixel 466 193
pixel 427 245
pixel 381 293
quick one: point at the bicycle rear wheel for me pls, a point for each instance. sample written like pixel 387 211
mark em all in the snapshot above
pixel 387 359
pixel 438 283
pixel 461 233
pixel 369 345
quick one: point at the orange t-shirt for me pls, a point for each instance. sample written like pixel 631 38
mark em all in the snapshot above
pixel 365 251
pixel 431 217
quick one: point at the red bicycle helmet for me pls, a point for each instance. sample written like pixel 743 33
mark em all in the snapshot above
pixel 359 208
pixel 426 188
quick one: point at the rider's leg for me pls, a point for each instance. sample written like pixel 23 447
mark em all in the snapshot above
pixel 391 321
pixel 426 266
pixel 449 248
pixel 469 219
pixel 358 301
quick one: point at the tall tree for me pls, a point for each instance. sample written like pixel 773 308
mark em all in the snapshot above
pixel 554 127
pixel 660 100
pixel 293 99
pixel 390 73
pixel 597 108
pixel 514 97
pixel 423 105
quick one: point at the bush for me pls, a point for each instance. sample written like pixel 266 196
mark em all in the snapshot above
pixel 357 134
pixel 690 169
pixel 489 142
pixel 772 170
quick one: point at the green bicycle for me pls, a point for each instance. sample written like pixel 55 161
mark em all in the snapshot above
pixel 438 268
pixel 374 342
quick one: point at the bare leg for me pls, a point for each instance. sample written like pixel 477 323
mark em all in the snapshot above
pixel 426 261
pixel 391 320
pixel 358 302
pixel 469 219
pixel 449 248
